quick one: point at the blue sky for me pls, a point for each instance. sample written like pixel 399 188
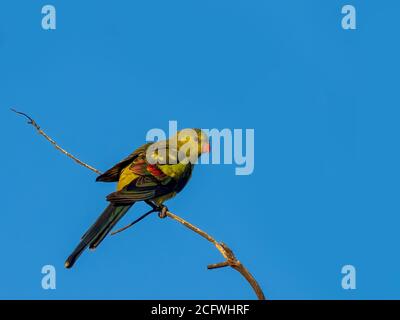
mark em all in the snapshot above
pixel 324 105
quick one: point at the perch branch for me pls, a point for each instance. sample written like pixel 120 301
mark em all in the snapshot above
pixel 226 252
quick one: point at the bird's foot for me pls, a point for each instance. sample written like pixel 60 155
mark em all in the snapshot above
pixel 161 209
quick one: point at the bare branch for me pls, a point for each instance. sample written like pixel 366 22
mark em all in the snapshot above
pixel 41 132
pixel 226 252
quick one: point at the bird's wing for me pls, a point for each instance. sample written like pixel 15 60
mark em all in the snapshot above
pixel 144 181
pixel 147 183
pixel 113 174
pixel 139 190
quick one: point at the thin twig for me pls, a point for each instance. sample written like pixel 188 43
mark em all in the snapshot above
pixel 226 252
pixel 134 222
pixel 41 132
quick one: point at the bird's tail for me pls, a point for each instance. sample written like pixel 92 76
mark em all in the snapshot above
pixel 98 231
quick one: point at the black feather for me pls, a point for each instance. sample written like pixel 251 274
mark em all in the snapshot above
pixel 98 231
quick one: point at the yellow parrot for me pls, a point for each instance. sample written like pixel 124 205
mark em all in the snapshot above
pixel 153 173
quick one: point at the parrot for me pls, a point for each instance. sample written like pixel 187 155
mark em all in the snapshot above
pixel 153 173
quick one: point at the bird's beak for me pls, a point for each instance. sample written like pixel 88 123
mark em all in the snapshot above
pixel 205 148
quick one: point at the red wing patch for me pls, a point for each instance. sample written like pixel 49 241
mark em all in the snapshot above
pixel 153 169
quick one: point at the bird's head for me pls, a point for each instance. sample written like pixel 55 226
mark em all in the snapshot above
pixel 192 142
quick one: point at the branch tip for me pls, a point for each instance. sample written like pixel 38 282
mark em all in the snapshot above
pixel 31 121
pixel 218 265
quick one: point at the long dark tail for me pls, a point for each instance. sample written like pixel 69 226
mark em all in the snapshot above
pixel 98 231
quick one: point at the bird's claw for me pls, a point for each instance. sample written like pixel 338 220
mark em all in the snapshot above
pixel 162 211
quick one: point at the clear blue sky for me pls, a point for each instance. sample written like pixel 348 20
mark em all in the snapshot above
pixel 324 105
